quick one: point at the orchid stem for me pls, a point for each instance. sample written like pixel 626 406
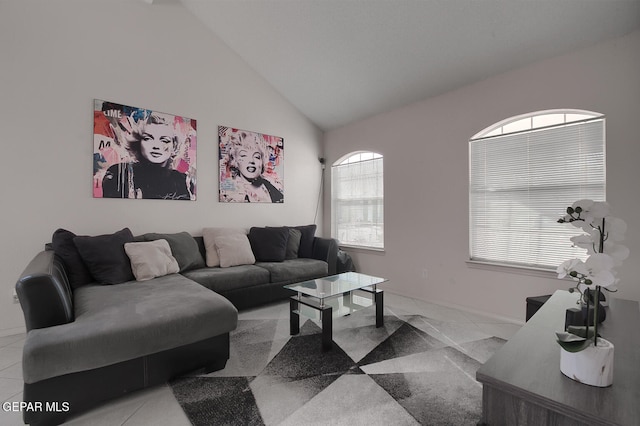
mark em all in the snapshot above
pixel 587 319
pixel 596 308
pixel 596 302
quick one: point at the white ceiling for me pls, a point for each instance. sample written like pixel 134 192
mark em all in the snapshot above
pixel 343 60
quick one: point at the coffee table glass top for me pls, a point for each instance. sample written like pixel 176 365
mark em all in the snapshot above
pixel 335 285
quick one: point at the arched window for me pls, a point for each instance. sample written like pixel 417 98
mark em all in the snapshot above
pixel 523 173
pixel 357 200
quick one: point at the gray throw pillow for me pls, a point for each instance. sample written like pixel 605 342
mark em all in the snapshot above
pixel 234 250
pixel 209 236
pixel 306 241
pixel 77 272
pixel 151 259
pixel 269 244
pixel 183 247
pixel 105 257
pixel 293 245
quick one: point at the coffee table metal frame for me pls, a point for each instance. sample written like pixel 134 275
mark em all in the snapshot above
pixel 315 294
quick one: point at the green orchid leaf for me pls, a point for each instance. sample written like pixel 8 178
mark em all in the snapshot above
pixel 564 337
pixel 576 346
pixel 576 338
pixel 581 330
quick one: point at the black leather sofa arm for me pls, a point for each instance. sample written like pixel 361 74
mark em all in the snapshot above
pixel 44 292
pixel 326 249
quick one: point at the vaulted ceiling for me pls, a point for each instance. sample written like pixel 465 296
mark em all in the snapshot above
pixel 339 61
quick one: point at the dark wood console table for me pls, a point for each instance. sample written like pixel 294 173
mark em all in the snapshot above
pixel 523 385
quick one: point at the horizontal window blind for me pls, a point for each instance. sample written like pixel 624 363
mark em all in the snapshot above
pixel 520 184
pixel 358 203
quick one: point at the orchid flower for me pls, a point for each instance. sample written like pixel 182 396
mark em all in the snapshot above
pixel 600 240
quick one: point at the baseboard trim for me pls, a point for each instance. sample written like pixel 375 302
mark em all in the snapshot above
pixel 12 331
pixel 499 318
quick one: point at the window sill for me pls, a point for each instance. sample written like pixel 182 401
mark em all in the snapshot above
pixel 513 269
pixel 364 249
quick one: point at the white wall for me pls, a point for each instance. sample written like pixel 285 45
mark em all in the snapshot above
pixel 58 56
pixel 425 148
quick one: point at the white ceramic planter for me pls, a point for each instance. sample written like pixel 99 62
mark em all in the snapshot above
pixel 592 366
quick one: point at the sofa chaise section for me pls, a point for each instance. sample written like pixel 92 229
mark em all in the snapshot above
pixel 131 320
pixel 103 341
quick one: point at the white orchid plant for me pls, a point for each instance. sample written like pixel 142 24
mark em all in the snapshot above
pixel 601 239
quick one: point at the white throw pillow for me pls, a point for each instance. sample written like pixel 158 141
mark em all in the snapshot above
pixel 151 259
pixel 209 235
pixel 234 250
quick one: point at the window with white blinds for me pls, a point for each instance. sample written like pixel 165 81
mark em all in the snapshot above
pixel 357 199
pixel 521 182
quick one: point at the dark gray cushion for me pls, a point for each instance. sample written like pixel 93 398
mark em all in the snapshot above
pixel 306 241
pixel 225 279
pixel 127 321
pixel 295 270
pixel 77 272
pixel 105 257
pixel 183 247
pixel 269 244
pixel 201 247
pixel 293 244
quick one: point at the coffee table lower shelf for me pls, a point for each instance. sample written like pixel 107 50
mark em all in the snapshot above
pixel 326 313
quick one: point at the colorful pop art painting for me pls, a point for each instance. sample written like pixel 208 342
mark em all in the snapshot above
pixel 251 166
pixel 141 153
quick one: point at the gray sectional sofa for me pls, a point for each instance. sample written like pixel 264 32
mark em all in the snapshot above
pixel 88 342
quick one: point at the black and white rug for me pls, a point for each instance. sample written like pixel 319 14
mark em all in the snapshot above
pixel 405 373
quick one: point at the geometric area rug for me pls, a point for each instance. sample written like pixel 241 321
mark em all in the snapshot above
pixel 405 373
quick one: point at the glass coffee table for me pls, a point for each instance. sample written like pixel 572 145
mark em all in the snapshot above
pixel 337 295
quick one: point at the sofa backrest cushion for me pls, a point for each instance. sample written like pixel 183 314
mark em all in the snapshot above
pixel 77 272
pixel 200 242
pixel 269 244
pixel 105 257
pixel 183 247
pixel 306 241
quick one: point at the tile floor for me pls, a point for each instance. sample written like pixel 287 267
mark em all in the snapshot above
pixel 159 406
